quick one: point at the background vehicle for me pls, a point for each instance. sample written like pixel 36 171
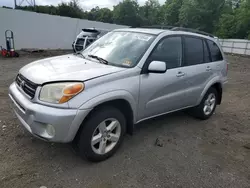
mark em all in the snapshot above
pixel 86 37
pixel 127 76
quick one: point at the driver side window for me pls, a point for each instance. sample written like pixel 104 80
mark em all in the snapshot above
pixel 168 50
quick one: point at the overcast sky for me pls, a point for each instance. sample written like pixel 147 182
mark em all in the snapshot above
pixel 85 4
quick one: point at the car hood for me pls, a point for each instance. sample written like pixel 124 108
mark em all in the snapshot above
pixel 65 68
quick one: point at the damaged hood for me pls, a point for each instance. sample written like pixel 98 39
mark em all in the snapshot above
pixel 65 68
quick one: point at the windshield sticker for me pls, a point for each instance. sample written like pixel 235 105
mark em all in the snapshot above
pixel 144 38
pixel 127 63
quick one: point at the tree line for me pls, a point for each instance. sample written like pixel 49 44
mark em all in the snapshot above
pixel 224 18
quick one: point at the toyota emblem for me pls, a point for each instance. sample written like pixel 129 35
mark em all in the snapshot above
pixel 22 84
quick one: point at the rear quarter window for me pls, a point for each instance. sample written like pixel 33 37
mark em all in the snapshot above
pixel 215 51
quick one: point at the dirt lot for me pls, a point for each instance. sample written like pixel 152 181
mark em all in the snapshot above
pixel 194 153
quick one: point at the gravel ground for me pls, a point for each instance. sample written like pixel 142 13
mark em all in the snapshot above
pixel 194 153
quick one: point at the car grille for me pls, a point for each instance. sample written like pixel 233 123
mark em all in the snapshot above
pixel 26 85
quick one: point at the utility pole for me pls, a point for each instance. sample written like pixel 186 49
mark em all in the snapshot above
pixel 15 6
pixel 35 5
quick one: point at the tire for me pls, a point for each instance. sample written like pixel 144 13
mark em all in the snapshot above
pixel 94 128
pixel 199 111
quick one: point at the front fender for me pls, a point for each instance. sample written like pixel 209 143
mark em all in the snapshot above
pixel 109 96
pixel 208 85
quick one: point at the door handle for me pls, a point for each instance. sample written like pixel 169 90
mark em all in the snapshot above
pixel 180 74
pixel 208 68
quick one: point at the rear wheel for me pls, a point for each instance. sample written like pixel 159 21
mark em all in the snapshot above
pixel 102 134
pixel 207 106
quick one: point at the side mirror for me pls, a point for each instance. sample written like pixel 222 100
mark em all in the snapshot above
pixel 157 67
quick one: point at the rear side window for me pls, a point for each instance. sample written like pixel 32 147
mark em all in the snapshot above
pixel 193 48
pixel 215 51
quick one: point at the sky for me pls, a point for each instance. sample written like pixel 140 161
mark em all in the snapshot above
pixel 85 4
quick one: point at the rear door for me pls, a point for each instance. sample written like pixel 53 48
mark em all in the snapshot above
pixel 197 67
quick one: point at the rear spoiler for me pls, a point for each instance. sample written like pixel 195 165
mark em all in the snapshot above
pixel 91 30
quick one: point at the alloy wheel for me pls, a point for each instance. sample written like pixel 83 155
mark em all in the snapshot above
pixel 209 104
pixel 106 136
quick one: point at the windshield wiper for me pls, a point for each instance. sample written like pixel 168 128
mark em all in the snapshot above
pixel 79 53
pixel 101 60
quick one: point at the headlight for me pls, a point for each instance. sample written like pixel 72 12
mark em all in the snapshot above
pixel 60 92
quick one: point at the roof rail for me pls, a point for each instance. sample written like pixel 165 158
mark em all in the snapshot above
pixel 192 31
pixel 173 28
pixel 158 27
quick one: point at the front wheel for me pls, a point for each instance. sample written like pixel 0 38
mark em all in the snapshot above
pixel 102 134
pixel 207 106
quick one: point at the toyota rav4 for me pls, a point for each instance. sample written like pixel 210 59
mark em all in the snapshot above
pixel 129 75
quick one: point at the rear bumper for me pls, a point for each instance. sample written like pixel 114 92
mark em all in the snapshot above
pixel 48 123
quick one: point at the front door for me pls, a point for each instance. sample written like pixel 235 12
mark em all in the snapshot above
pixel 164 92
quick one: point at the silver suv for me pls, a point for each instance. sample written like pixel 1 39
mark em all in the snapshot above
pixel 129 75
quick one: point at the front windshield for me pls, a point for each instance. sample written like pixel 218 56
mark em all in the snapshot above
pixel 120 48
